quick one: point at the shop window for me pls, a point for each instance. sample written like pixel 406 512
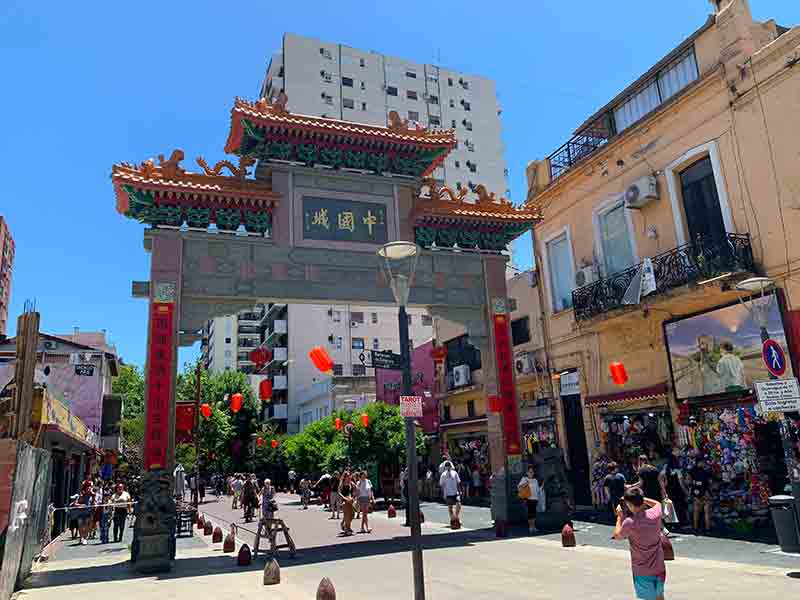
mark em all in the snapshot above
pixel 471 408
pixel 521 331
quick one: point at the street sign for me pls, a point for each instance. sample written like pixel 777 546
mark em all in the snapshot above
pixel 774 358
pixel 386 359
pixel 778 395
pixel 84 370
pixel 411 406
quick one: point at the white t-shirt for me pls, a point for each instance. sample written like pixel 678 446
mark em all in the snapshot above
pixel 364 488
pixel 449 483
pixel 121 500
pixel 532 485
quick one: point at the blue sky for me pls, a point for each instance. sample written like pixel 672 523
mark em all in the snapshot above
pixel 88 84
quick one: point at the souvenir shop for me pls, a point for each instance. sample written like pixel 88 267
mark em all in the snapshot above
pixel 745 452
pixel 471 449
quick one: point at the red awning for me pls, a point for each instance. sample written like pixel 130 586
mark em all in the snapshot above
pixel 648 393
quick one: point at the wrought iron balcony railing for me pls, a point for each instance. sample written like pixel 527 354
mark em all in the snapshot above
pixel 705 258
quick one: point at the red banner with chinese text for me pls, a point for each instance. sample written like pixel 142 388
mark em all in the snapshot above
pixel 505 384
pixel 184 423
pixel 159 386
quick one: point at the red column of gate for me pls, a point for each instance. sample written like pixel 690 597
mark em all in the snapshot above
pixel 159 386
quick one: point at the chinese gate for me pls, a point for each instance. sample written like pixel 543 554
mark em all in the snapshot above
pixel 325 196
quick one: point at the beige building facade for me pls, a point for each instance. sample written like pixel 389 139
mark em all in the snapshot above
pixel 681 187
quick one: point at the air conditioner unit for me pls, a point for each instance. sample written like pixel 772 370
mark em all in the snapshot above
pixel 641 192
pixel 49 345
pixel 523 363
pixel 585 276
pixel 461 375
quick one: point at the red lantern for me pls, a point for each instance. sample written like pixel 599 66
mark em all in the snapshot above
pixel 274 444
pixel 365 420
pixel 260 356
pixel 321 359
pixel 495 405
pixel 260 441
pixel 205 410
pixel 338 424
pixel 236 402
pixel 265 390
pixel 439 353
pixel 618 373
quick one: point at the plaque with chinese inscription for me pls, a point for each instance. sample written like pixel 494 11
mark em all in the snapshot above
pixel 159 386
pixel 344 221
pixel 505 384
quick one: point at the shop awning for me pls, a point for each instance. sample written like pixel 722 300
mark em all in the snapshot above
pixel 654 392
pixel 460 422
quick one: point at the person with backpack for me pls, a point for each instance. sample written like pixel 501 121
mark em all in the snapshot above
pixel 529 489
pixel 450 482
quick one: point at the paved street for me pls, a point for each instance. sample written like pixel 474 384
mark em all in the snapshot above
pixel 470 563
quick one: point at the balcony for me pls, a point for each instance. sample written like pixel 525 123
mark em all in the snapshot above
pixel 581 145
pixel 272 312
pixel 279 328
pixel 279 411
pixel 250 318
pixel 705 258
pixel 279 356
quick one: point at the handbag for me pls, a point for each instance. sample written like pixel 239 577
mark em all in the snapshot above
pixel 670 514
pixel 666 546
pixel 524 492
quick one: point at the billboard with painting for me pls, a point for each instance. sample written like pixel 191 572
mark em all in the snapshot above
pixel 719 351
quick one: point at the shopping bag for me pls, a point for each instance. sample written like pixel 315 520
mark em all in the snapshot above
pixel 670 515
pixel 524 492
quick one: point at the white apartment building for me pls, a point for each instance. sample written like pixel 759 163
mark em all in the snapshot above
pixel 335 81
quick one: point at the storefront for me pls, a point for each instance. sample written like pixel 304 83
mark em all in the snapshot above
pixel 467 445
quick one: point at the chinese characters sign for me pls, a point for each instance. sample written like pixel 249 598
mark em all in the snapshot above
pixel 505 384
pixel 344 221
pixel 159 386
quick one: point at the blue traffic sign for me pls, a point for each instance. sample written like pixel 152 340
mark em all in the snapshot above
pixel 774 357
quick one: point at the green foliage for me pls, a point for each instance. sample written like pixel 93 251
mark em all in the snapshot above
pixel 130 384
pixel 320 447
pixel 185 455
pixel 133 430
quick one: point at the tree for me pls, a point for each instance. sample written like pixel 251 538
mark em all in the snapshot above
pixel 130 384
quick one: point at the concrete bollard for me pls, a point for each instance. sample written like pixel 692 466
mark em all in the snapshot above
pixel 391 513
pixel 245 557
pixel 208 528
pixel 500 528
pixel 568 536
pixel 217 537
pixel 201 522
pixel 326 591
pixel 272 573
pixel 229 545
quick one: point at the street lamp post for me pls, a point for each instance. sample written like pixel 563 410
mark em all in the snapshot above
pixel 399 260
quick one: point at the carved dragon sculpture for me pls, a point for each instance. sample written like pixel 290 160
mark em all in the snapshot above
pixel 395 122
pixel 171 168
pixel 239 172
pixel 277 106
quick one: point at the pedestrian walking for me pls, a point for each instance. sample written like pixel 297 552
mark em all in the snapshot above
pixel 651 483
pixel 193 488
pixel 72 515
pixel 305 493
pixel 292 476
pixel 700 485
pixel 201 487
pixel 529 489
pixel 105 517
pixel 268 505
pixel 333 497
pixel 365 500
pixel 639 521
pixel 614 483
pixel 236 485
pixel 477 481
pixel 324 486
pixel 249 499
pixel 676 488
pixel 85 504
pixel 346 497
pixel 450 483
pixel 122 508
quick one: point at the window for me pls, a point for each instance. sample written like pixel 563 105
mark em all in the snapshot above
pixel 348 103
pixel 446 413
pixel 433 99
pixel 450 82
pixel 327 98
pixel 427 320
pixel 458 164
pixel 336 315
pixel 614 239
pixel 374 318
pixel 464 83
pixel 453 124
pixel 466 105
pixel 362 62
pixel 326 77
pixel 358 343
pixel 363 86
pixel 470 146
pixel 339 343
pixel 473 168
pixel 471 408
pixel 359 370
pixel 347 81
pixel 701 201
pixel 308 418
pixel 338 370
pixel 562 275
pixel 410 320
pixel 520 331
pixel 363 106
pixel 411 74
pixel 461 352
pixel 467 125
pixel 452 105
pixel 391 91
pixel 325 53
pixel 435 121
pixel 411 94
pixel 228 354
pixel 458 185
pixel 376 343
pixel 357 317
pixel 227 340
pixel 413 115
pixel 661 88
